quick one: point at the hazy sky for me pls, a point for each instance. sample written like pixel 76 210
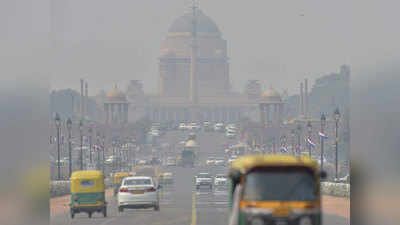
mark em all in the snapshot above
pixel 279 42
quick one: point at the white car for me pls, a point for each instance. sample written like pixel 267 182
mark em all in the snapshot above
pixel 219 161
pixel 219 127
pixel 220 180
pixel 233 158
pixel 138 192
pixel 182 126
pixel 210 161
pixel 230 134
pixel 193 126
pixel 203 180
pixel 171 161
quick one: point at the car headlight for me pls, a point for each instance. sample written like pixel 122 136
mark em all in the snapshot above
pixel 306 220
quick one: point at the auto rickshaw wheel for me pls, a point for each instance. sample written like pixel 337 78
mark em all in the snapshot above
pixel 90 214
pixel 105 211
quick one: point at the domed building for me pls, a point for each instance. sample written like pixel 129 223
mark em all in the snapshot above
pixel 116 107
pixel 194 82
pixel 211 69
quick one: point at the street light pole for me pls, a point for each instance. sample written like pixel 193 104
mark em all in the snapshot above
pixel 323 121
pixel 58 124
pixel 69 126
pixel 97 150
pixel 298 136
pixel 309 127
pixel 337 117
pixel 80 133
pixel 104 148
pixel 292 134
pixel 90 145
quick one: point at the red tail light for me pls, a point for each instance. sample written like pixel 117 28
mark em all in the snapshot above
pixel 123 190
pixel 150 190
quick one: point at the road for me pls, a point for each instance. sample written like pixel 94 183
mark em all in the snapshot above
pixel 180 204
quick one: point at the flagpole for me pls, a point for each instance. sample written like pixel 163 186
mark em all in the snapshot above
pixel 323 120
pixel 309 127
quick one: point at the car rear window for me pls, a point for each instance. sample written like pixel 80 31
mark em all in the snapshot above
pixel 137 182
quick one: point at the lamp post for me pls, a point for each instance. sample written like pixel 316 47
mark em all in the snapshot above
pixel 69 126
pixel 104 148
pixel 293 133
pixel 90 145
pixel 299 128
pixel 81 153
pixel 337 118
pixel 58 124
pixel 323 122
pixel 309 128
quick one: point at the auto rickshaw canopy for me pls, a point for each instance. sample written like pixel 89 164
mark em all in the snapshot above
pixel 86 181
pixel 245 163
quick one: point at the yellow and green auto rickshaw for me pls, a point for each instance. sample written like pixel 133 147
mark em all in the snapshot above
pixel 87 193
pixel 118 177
pixel 275 189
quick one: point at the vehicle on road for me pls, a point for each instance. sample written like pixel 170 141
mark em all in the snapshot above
pixel 138 192
pixel 165 178
pixel 275 189
pixel 192 136
pixel 219 127
pixel 182 126
pixel 232 159
pixel 189 154
pixel 88 193
pixel 220 180
pixel 203 180
pixel 207 126
pixel 210 161
pixel 171 161
pixel 230 134
pixel 118 179
pixel 219 161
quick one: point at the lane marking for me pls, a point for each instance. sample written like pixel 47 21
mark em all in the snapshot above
pixel 194 211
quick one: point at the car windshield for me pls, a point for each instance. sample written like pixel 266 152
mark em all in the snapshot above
pixel 203 176
pixel 294 184
pixel 220 176
pixel 137 182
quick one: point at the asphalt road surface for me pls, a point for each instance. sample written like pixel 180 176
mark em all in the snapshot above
pixel 180 203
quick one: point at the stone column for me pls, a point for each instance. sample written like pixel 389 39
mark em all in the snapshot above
pixel 119 118
pixel 262 114
pixel 125 113
pixel 276 116
pixel 112 113
pixel 106 111
pixel 267 113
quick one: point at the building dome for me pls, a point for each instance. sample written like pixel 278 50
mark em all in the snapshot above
pixel 271 96
pixel 116 95
pixel 183 25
